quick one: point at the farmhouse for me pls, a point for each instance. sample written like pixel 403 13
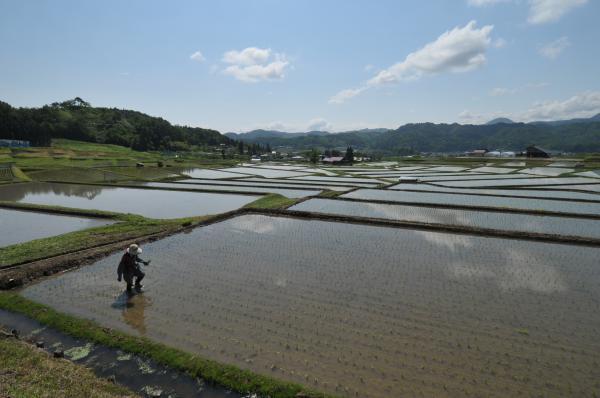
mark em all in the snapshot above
pixel 477 152
pixel 537 152
pixel 333 159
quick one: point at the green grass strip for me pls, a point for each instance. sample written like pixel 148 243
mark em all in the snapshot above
pixel 271 201
pixel 228 376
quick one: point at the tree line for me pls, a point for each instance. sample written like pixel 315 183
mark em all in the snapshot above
pixel 76 119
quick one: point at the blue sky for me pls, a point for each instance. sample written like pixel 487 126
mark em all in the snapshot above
pixel 304 64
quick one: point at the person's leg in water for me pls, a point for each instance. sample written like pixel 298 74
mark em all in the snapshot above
pixel 139 275
pixel 129 281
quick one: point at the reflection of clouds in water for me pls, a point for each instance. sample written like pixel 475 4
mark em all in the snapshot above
pixel 451 242
pixel 259 225
pixel 519 271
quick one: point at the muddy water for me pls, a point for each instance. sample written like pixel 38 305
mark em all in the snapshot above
pixel 139 374
pixel 360 310
pixel 18 226
pixel 148 203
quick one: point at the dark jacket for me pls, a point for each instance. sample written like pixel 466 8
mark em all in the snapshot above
pixel 128 264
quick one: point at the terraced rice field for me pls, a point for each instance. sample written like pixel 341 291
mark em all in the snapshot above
pixel 212 174
pixel 463 177
pixel 344 183
pixel 533 193
pixel 561 226
pixel 488 169
pixel 547 171
pixel 267 173
pixel 516 182
pixel 149 203
pixel 497 202
pixel 289 193
pixel 19 226
pixel 351 180
pixel 582 188
pixel 264 182
pixel 360 310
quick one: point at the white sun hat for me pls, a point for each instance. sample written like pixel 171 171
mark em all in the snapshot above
pixel 134 249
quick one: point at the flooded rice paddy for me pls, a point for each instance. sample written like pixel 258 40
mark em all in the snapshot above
pixel 562 226
pixel 265 183
pixel 17 226
pixel 267 173
pixel 498 202
pixel 362 311
pixel 515 182
pixel 149 203
pixel 212 174
pixel 559 193
pixel 346 183
pixel 289 193
pixel 547 171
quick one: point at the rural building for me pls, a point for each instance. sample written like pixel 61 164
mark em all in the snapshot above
pixel 537 152
pixel 14 143
pixel 477 152
pixel 333 159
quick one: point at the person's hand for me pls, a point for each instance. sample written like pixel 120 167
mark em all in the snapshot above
pixel 147 262
pixel 119 278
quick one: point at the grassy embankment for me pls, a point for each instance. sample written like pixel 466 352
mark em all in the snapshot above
pixel 227 376
pixel 30 372
pixel 69 153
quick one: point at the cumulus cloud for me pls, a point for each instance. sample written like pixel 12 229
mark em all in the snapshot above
pixel 459 50
pixel 544 11
pixel 254 64
pixel 248 56
pixel 499 42
pixel 197 56
pixel 319 124
pixel 553 49
pixel 584 104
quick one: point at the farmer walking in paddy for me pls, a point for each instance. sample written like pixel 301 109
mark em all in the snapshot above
pixel 129 268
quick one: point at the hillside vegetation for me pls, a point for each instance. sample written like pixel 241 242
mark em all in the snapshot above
pixel 77 120
pixel 430 137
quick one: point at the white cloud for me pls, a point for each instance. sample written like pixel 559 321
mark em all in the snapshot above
pixel 198 57
pixel 581 105
pixel 319 124
pixel 500 91
pixel 499 43
pixel 553 49
pixel 544 11
pixel 584 104
pixel 458 50
pixel 345 95
pixel 254 64
pixel 248 56
pixel 482 3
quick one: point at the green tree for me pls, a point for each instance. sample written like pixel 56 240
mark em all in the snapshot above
pixel 314 156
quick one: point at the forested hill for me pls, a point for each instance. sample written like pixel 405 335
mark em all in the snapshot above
pixel 78 120
pixel 430 137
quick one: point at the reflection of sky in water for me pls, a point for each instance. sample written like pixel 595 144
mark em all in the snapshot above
pixel 475 200
pixel 149 203
pixel 472 218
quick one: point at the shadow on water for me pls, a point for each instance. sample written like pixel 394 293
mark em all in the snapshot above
pixel 137 373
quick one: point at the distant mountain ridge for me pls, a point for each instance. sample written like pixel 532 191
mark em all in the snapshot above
pixel 500 120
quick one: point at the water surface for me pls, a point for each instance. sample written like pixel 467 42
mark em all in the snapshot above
pixel 18 226
pixel 148 203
